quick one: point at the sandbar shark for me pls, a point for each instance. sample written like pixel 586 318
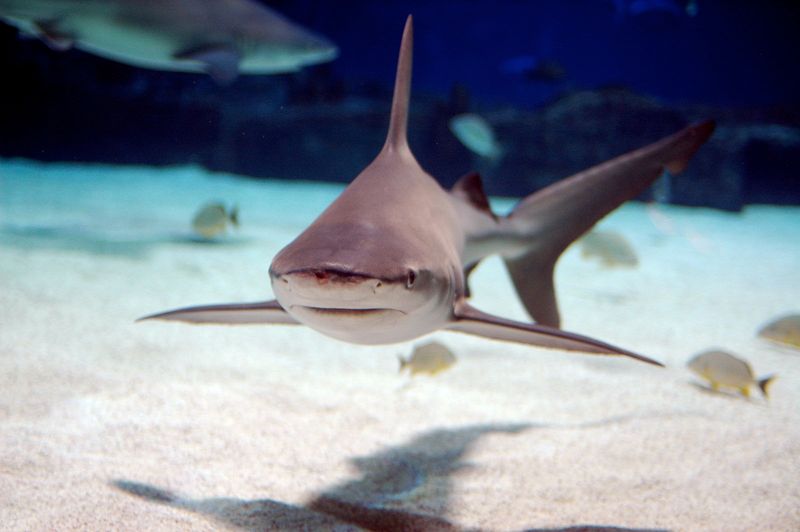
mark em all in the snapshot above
pixel 220 37
pixel 388 260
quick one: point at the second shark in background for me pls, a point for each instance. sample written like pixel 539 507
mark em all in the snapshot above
pixel 222 38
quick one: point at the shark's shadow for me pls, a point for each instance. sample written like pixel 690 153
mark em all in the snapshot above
pixel 401 488
pixel 406 487
pixel 259 514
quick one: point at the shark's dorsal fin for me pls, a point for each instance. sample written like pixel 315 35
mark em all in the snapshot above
pixel 397 138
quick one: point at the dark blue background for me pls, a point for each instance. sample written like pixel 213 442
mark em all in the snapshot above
pixel 733 52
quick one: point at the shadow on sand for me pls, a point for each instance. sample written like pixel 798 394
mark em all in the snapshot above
pixel 406 487
pixel 76 239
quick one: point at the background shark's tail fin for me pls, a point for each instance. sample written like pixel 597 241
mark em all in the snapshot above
pixel 557 215
pixel 398 123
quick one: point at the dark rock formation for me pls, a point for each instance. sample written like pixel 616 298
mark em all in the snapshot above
pixel 750 159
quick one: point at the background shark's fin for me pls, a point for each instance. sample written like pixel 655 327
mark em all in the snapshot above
pixel 53 36
pixel 397 138
pixel 557 215
pixel 220 62
pixel 470 320
pixel 230 314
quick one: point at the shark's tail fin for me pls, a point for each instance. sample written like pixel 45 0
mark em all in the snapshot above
pixel 554 217
pixel 397 138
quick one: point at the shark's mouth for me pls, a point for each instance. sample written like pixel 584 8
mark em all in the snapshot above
pixel 369 326
pixel 335 311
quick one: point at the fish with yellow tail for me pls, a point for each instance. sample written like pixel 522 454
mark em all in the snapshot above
pixel 431 358
pixel 724 370
pixel 784 331
pixel 213 219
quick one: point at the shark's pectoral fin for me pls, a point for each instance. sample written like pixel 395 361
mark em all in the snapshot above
pixel 470 320
pixel 230 314
pixel 220 62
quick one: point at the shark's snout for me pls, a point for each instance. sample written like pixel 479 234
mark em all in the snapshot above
pixel 349 306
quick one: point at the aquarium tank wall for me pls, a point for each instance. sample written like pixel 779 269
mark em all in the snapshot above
pixel 563 85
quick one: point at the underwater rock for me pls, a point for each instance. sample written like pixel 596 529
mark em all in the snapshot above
pixel 584 128
pixel 747 160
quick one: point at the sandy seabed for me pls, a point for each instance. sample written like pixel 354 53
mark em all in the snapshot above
pixel 107 424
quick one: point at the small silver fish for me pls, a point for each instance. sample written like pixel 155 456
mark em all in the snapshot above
pixel 213 219
pixel 785 330
pixel 610 247
pixel 430 358
pixel 476 134
pixel 722 369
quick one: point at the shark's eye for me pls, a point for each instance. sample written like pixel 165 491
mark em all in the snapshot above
pixel 411 279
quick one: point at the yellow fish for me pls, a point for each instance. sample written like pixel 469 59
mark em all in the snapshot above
pixel 610 247
pixel 213 219
pixel 722 369
pixel 785 330
pixel 430 358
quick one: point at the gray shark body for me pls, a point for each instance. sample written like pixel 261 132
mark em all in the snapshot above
pixel 220 37
pixel 388 261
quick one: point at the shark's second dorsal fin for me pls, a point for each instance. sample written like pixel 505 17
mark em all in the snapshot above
pixel 397 139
